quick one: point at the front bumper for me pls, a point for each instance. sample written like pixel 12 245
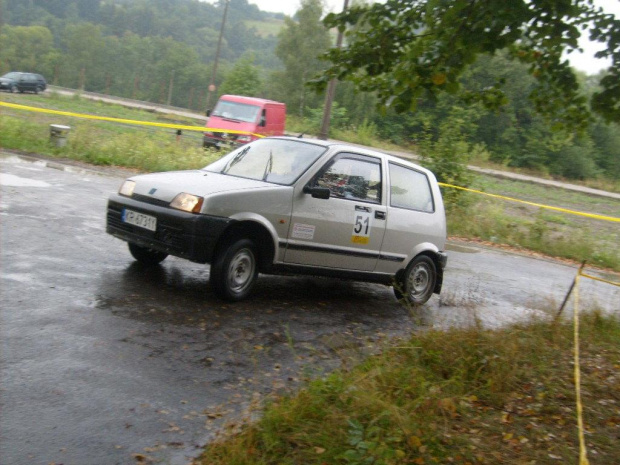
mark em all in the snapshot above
pixel 230 142
pixel 186 235
pixel 442 261
pixel 442 258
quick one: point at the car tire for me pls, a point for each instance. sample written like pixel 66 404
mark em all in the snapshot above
pixel 235 270
pixel 146 256
pixel 13 89
pixel 417 283
pixel 38 89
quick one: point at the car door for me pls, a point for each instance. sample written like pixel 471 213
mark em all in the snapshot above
pixel 412 217
pixel 346 230
pixel 28 82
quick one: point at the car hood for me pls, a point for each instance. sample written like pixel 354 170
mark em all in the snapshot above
pixel 165 186
pixel 216 122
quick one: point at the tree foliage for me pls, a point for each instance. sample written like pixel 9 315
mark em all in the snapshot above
pixel 405 50
pixel 242 79
pixel 137 48
pixel 299 46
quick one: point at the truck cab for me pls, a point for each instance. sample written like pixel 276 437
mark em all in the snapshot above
pixel 237 120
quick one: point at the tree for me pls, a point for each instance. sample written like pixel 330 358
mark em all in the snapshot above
pixel 410 49
pixel 299 46
pixel 242 79
pixel 84 46
pixel 28 48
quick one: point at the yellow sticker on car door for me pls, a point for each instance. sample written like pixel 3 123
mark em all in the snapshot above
pixel 361 228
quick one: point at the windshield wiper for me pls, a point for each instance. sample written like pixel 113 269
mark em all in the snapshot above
pixel 269 166
pixel 236 159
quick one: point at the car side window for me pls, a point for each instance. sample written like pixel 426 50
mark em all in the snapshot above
pixel 354 177
pixel 410 189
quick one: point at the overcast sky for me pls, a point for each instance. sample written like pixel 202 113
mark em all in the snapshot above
pixel 584 62
pixel 289 7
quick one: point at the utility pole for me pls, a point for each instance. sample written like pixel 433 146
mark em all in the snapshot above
pixel 331 89
pixel 170 88
pixel 217 56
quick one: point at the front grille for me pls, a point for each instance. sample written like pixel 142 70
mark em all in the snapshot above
pixel 150 200
pixel 168 236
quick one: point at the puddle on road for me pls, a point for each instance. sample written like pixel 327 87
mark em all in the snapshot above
pixel 11 180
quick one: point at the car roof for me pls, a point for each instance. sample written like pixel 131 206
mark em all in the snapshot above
pixel 247 100
pixel 359 149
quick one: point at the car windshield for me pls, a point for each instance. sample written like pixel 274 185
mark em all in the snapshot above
pixel 237 111
pixel 277 161
pixel 11 75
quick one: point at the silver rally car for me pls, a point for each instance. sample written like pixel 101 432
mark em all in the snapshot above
pixel 285 205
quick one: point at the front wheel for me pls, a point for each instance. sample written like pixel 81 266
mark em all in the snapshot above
pixel 234 270
pixel 148 257
pixel 13 89
pixel 418 281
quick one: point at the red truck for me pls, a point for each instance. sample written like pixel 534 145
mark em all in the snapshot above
pixel 237 120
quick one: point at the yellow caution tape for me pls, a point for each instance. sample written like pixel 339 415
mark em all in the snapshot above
pixel 232 131
pixel 583 452
pixel 125 121
pixel 548 207
pixel 595 278
pixel 583 457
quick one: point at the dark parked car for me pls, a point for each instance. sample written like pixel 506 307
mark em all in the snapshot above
pixel 23 82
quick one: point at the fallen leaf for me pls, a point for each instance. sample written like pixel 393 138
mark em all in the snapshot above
pixel 414 441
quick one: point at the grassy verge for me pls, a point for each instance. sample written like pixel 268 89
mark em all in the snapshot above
pixel 102 143
pixel 464 396
pixel 150 149
pixel 552 233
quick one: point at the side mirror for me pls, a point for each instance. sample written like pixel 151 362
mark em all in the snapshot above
pixel 208 113
pixel 317 192
pixel 262 122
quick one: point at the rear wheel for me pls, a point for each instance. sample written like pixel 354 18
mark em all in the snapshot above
pixel 418 282
pixel 234 270
pixel 146 256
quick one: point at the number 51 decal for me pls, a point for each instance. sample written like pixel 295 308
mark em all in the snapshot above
pixel 361 228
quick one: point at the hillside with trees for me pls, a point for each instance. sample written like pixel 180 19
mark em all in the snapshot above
pixel 142 48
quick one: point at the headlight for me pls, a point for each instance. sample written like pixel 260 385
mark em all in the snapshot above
pixel 127 188
pixel 187 203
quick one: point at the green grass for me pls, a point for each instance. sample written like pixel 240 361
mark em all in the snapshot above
pixel 76 104
pixel 461 396
pixel 458 396
pixel 100 142
pixel 266 28
pixel 546 231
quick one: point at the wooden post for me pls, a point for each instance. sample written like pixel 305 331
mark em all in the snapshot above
pixel 191 98
pixel 136 81
pixel 82 79
pixel 170 88
pixel 570 291
pixel 162 92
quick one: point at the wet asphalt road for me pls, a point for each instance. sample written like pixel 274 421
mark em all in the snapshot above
pixel 104 362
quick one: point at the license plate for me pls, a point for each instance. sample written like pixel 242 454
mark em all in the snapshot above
pixel 139 219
